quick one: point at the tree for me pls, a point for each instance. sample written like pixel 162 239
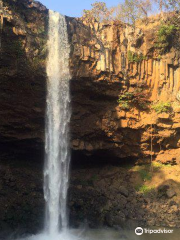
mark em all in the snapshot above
pixel 145 6
pixel 99 12
pixel 130 11
pixel 168 5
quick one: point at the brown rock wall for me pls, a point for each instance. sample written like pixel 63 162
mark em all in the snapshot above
pixel 101 71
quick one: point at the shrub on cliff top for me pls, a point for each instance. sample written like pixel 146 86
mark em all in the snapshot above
pixel 164 37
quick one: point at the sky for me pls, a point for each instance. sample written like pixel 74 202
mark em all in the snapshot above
pixel 74 8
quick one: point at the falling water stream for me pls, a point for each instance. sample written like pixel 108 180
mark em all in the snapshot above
pixel 56 169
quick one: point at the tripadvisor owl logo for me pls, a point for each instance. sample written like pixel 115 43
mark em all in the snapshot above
pixel 138 231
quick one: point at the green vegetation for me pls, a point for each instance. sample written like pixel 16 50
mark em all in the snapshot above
pixel 165 31
pixel 125 100
pixel 144 172
pixel 164 37
pixel 41 30
pixel 145 175
pixel 144 189
pixel 138 98
pixel 134 57
pixel 162 107
pixel 157 166
pixel 125 105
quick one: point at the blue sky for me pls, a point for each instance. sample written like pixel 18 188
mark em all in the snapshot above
pixel 74 8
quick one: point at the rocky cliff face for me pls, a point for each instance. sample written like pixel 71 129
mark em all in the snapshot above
pixel 107 61
pixel 22 76
pixel 102 68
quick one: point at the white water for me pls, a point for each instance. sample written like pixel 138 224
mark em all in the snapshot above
pixel 56 171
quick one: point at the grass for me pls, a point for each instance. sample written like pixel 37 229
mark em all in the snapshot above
pixel 144 189
pixel 145 175
pixel 144 172
pixel 145 183
pixel 157 165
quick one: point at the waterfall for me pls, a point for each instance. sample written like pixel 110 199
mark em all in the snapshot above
pixel 56 170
